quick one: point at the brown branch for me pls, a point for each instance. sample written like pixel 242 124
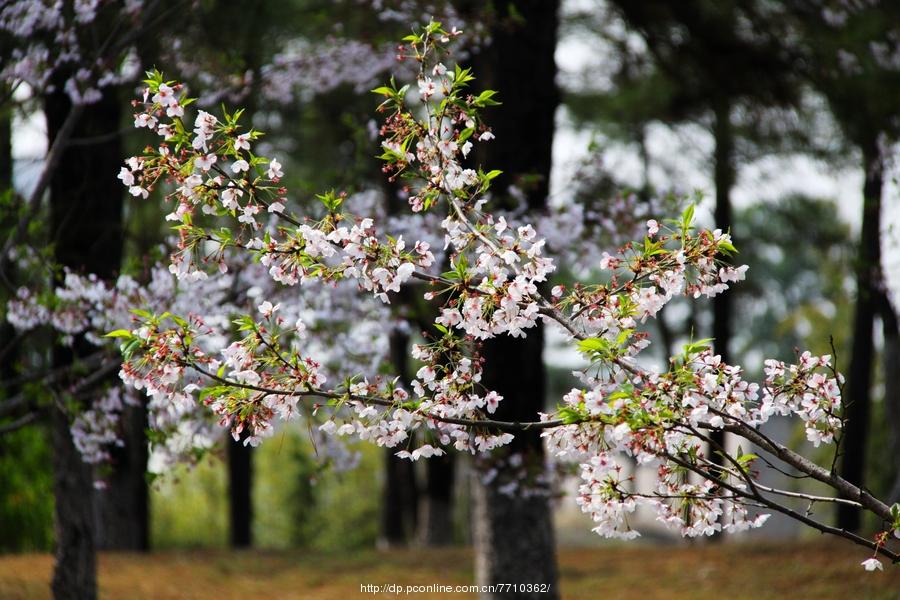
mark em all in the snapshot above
pixel 311 393
pixel 880 549
pixel 800 462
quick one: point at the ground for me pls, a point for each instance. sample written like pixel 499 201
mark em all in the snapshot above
pixel 759 572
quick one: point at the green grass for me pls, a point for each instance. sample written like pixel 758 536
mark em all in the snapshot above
pixel 818 571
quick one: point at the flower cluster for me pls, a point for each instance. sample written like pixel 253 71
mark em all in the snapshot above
pixel 50 38
pixel 494 286
pixel 807 390
pixel 588 219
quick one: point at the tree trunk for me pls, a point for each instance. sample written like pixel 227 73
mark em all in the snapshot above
pixel 723 179
pixel 248 31
pixel 399 500
pixel 8 347
pixel 400 495
pixel 513 528
pixel 240 492
pixel 891 368
pixel 86 221
pixel 513 532
pixel 857 395
pixel 122 507
pixel 435 526
pixel 75 572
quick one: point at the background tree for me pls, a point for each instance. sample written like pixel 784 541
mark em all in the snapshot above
pixel 86 220
pixel 848 54
pixel 513 531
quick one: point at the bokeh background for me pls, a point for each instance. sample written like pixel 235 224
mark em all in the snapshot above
pixel 779 118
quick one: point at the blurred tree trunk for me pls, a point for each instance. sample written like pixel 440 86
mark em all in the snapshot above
pixel 8 347
pixel 240 492
pixel 248 28
pixel 75 571
pixel 891 368
pixel 435 525
pixel 513 533
pixel 859 378
pixel 6 163
pixel 86 221
pixel 399 501
pixel 400 494
pixel 723 179
pixel 123 506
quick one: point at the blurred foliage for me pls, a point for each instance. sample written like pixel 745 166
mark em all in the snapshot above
pixel 296 502
pixel 26 501
pixel 798 292
pixel 189 507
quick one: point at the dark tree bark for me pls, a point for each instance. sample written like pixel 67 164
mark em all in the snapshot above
pixel 75 571
pixel 248 29
pixel 723 179
pixel 240 492
pixel 435 525
pixel 890 362
pixel 123 506
pixel 858 396
pixel 8 348
pixel 86 222
pixel 400 496
pixel 513 533
pixel 514 537
pixel 399 501
pixel 6 163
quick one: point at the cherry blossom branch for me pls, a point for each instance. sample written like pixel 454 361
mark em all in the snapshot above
pixel 822 527
pixel 494 288
pixel 800 462
pixel 372 400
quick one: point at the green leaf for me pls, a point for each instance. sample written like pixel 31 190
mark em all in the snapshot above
pixel 127 349
pixel 697 347
pixel 727 248
pixel 593 346
pixel 623 336
pixel 624 392
pixel 687 217
pixel 119 333
pixel 744 459
pixel 570 415
pixel 486 98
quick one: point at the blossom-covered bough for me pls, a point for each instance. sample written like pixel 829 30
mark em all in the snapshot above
pixel 229 204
